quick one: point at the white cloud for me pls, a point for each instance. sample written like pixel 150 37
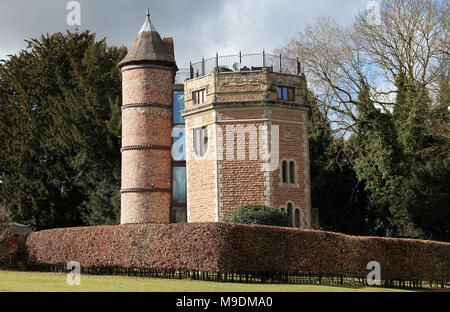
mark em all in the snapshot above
pixel 199 27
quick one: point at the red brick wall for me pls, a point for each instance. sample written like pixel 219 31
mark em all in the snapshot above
pixel 292 147
pixel 146 143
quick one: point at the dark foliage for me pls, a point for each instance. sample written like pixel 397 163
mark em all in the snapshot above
pixel 258 215
pixel 60 131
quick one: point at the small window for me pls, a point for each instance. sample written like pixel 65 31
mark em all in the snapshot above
pixel 289 213
pixel 297 218
pixel 286 93
pixel 291 95
pixel 199 97
pixel 284 172
pixel 200 141
pixel 292 172
pixel 288 173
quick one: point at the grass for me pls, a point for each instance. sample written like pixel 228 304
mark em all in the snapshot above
pixel 11 281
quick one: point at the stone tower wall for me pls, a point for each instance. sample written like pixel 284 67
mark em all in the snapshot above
pixel 248 102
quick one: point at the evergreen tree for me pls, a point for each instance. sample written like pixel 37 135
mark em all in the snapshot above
pixel 60 131
pixel 405 183
pixel 335 190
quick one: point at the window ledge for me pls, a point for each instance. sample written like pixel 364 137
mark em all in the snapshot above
pixel 288 185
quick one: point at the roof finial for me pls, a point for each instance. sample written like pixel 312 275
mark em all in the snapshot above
pixel 148 26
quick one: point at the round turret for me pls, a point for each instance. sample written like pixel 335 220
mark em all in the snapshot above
pixel 147 78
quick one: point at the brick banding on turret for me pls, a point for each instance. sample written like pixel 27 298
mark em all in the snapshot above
pixel 133 105
pixel 145 190
pixel 147 82
pixel 144 147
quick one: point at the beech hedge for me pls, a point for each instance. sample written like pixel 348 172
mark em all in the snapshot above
pixel 238 249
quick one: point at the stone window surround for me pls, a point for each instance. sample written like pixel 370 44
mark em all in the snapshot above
pixel 203 140
pixel 196 100
pixel 294 208
pixel 296 168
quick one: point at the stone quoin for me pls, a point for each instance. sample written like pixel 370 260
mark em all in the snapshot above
pixel 193 151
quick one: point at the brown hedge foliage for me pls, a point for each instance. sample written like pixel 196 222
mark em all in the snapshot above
pixel 12 249
pixel 236 248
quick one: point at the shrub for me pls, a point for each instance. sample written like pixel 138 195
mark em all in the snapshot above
pixel 11 246
pixel 4 251
pixel 257 215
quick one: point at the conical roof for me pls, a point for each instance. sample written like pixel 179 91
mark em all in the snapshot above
pixel 148 47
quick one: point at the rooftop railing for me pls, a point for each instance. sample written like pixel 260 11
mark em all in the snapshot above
pixel 240 62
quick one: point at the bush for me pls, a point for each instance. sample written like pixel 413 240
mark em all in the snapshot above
pixel 258 215
pixel 11 246
pixel 4 252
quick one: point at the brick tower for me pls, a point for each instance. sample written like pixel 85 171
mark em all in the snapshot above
pixel 148 72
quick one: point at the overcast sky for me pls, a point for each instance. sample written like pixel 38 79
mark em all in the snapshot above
pixel 199 27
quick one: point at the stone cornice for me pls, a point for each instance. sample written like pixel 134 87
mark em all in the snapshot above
pixel 244 104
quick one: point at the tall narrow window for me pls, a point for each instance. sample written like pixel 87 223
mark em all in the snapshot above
pixel 178 147
pixel 284 171
pixel 179 185
pixel 178 106
pixel 297 218
pixel 292 172
pixel 178 210
pixel 200 141
pixel 289 213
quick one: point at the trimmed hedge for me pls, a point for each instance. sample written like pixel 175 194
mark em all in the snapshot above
pixel 239 249
pixel 139 246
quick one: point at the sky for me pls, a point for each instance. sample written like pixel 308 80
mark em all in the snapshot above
pixel 200 28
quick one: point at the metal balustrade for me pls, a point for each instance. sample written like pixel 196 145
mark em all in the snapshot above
pixel 240 62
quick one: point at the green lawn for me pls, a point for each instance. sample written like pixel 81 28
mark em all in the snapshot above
pixel 54 282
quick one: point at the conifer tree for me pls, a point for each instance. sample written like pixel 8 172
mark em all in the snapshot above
pixel 60 131
pixel 335 190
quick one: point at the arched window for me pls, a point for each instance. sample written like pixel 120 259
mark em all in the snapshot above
pixel 284 172
pixel 289 212
pixel 292 172
pixel 297 218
